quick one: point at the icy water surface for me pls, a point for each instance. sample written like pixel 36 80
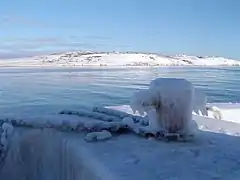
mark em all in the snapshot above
pixel 76 86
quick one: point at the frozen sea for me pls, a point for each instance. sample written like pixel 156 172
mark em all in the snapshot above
pixel 88 87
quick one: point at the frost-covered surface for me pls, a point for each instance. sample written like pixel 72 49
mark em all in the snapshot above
pixel 47 154
pixel 200 102
pixel 172 99
pixel 6 130
pixel 113 59
pixel 214 112
pixel 51 155
pixel 98 136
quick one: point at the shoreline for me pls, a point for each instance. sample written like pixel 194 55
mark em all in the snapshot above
pixel 112 66
pixel 115 60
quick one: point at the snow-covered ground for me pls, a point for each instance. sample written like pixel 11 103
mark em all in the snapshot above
pixel 114 59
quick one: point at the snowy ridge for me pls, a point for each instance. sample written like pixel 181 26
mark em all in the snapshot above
pixel 114 59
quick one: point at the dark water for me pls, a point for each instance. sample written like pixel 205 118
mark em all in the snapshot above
pixel 106 86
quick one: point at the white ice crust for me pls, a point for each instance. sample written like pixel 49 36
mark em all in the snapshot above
pixel 98 136
pixel 200 101
pixel 172 99
pixel 6 130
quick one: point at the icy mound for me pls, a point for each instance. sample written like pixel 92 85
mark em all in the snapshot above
pixel 171 100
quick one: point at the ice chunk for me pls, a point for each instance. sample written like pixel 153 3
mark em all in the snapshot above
pixel 128 121
pixel 192 128
pixel 6 131
pixel 8 128
pixel 153 122
pixel 214 112
pixel 199 104
pixel 172 99
pixel 98 136
pixel 141 101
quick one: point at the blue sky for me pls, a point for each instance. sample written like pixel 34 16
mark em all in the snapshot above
pixel 198 27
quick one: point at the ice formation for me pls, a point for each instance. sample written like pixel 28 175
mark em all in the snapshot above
pixel 6 130
pixel 199 104
pixel 216 113
pixel 128 121
pixel 98 136
pixel 172 100
pixel 92 114
pixel 119 114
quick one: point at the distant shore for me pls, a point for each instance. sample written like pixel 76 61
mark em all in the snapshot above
pixel 116 60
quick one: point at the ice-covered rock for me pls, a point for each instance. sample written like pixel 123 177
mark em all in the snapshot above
pixel 98 136
pixel 172 100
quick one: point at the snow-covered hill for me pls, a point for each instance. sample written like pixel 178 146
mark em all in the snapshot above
pixel 208 61
pixel 113 59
